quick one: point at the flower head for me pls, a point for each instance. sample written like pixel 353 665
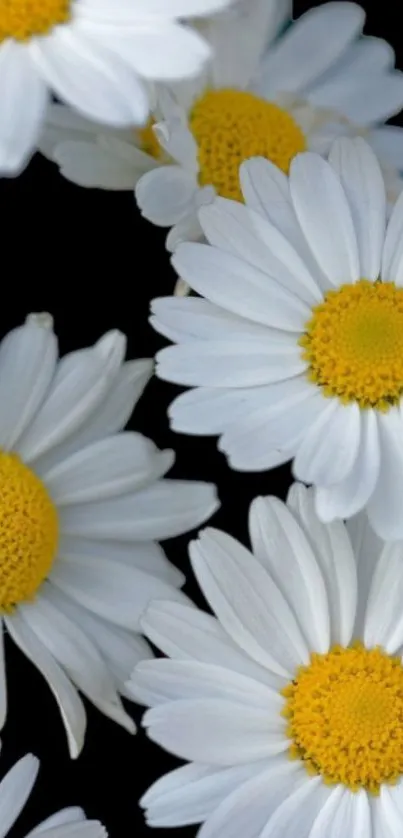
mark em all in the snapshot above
pixel 297 350
pixel 288 703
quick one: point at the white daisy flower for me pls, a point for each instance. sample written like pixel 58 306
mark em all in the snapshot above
pixel 289 703
pixel 15 789
pixel 82 506
pixel 94 156
pixel 273 95
pixel 96 55
pixel 297 350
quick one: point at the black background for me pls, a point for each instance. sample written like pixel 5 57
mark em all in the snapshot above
pixel 88 257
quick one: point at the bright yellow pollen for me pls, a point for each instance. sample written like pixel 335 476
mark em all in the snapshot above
pixel 354 344
pixel 28 532
pixel 345 717
pixel 23 19
pixel 148 141
pixel 231 126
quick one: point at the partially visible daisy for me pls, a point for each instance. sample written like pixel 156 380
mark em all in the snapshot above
pixel 96 55
pixel 15 789
pixel 297 350
pixel 92 155
pixel 82 507
pixel 288 703
pixel 273 95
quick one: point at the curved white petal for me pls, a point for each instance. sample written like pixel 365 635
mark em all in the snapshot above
pixel 346 498
pixel 231 283
pixel 185 633
pixel 80 384
pixel 280 545
pixel 335 557
pixel 28 358
pixel 344 813
pixel 392 261
pixel 330 447
pixel 15 789
pixel 384 618
pixel 296 815
pixel 191 794
pixel 362 180
pixel 70 705
pixel 247 602
pixel 23 102
pixel 166 195
pixel 385 507
pixel 214 731
pixel 324 215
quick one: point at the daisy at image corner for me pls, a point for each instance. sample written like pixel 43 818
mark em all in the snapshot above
pixel 98 56
pixel 82 508
pixel 296 350
pixel 15 789
pixel 273 94
pixel 288 703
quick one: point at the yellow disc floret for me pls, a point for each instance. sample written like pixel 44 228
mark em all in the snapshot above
pixel 23 19
pixel 354 344
pixel 345 717
pixel 231 126
pixel 28 532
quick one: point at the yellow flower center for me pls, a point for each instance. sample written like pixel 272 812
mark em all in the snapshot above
pixel 231 126
pixel 345 717
pixel 148 141
pixel 23 19
pixel 29 531
pixel 354 344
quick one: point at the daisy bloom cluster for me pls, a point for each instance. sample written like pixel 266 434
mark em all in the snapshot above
pixel 82 507
pixel 273 94
pixel 288 703
pixel 296 350
pixel 15 789
pixel 98 56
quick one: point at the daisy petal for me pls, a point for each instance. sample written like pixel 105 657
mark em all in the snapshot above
pixel 384 620
pixel 231 363
pixel 76 653
pixel 111 590
pixel 106 469
pixel 328 452
pixel 385 507
pixel 85 829
pixel 248 808
pixel 247 602
pixel 70 704
pixel 166 195
pixel 336 559
pixel 188 319
pixel 236 229
pixel 191 793
pixel 73 814
pixel 297 813
pixel 361 178
pixel 81 381
pixel 185 633
pixel 350 495
pixel 325 218
pixel 392 262
pixel 306 50
pixel 163 510
pixel 79 69
pixel 280 545
pixel 213 731
pixel 242 289
pixel 15 789
pixel 28 358
pixel 23 103
pixel 108 417
pixel 343 814
pixel 158 681
pixel 367 548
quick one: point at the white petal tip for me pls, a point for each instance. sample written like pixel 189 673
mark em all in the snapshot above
pixel 42 319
